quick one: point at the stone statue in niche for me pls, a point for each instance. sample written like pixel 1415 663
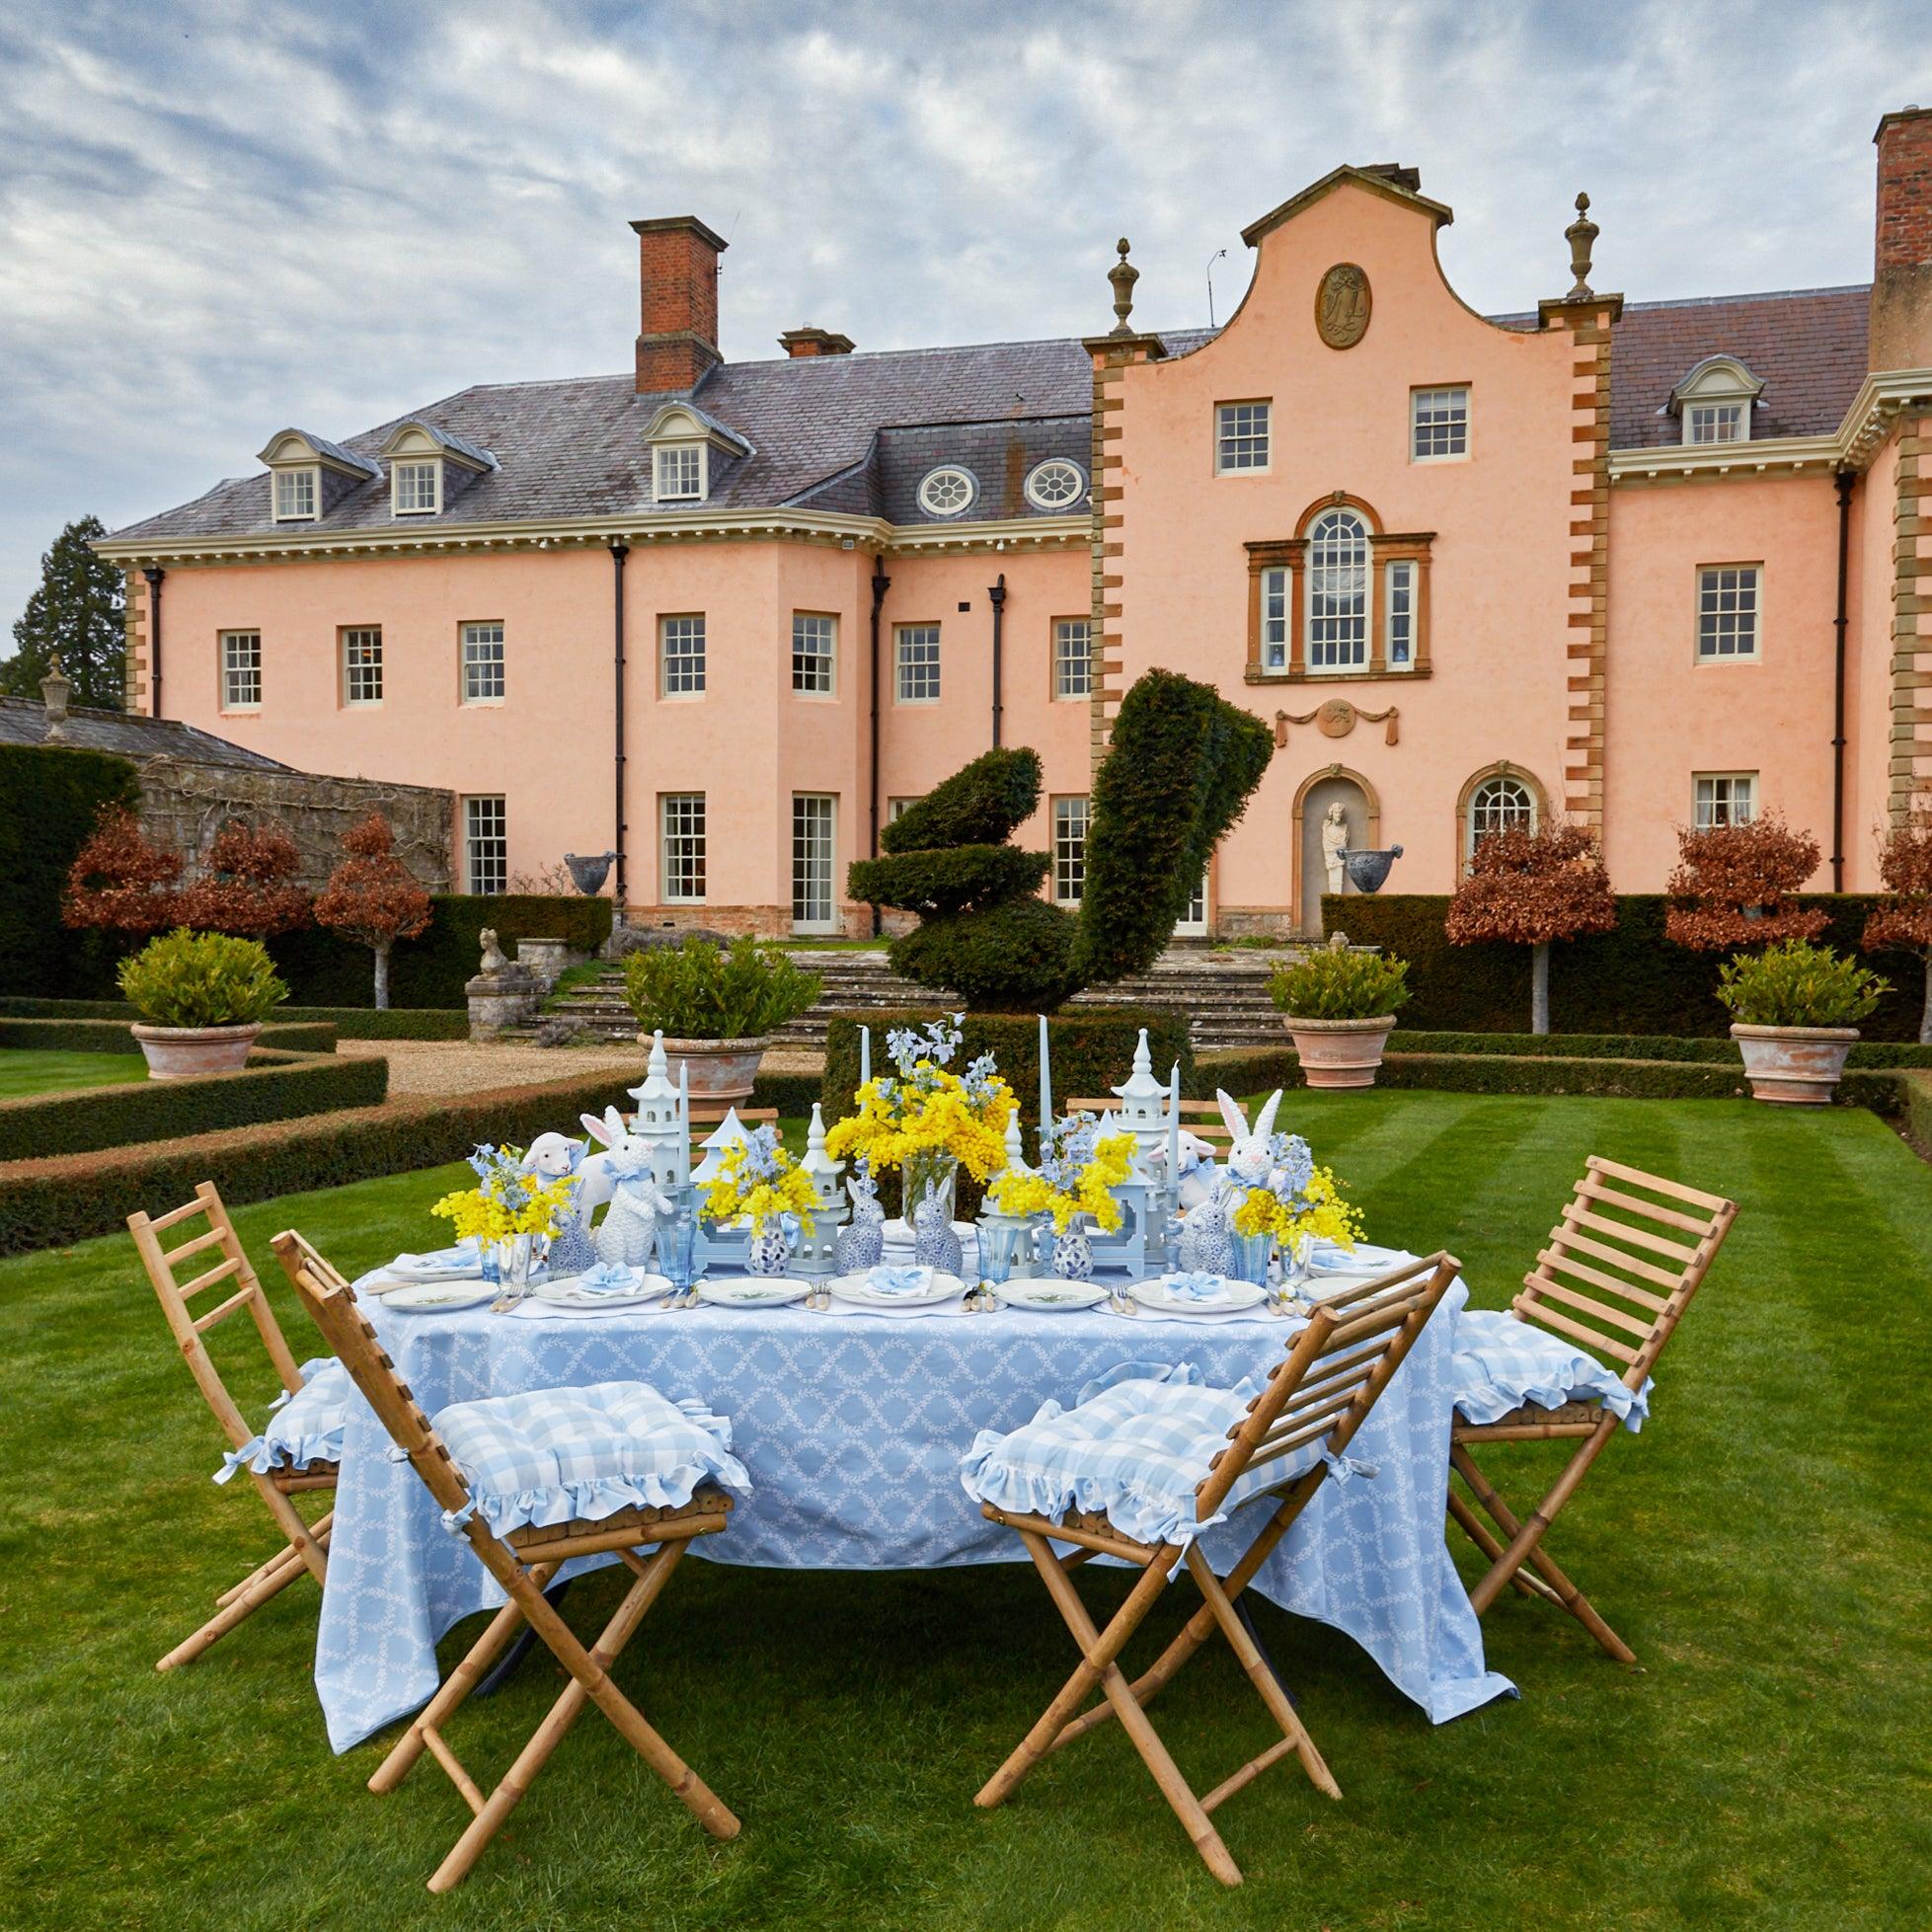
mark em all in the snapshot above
pixel 1334 841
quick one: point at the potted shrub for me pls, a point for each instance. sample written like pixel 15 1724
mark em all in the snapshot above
pixel 1339 1006
pixel 202 997
pixel 717 1007
pixel 1794 1007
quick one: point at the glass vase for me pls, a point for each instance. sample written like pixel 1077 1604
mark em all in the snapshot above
pixel 515 1258
pixel 930 1167
pixel 1252 1254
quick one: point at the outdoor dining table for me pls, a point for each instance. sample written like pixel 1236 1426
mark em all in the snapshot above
pixel 853 1425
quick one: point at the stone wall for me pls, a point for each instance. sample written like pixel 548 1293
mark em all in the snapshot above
pixel 184 804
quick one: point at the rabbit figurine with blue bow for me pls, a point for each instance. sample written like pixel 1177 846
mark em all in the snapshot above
pixel 934 1244
pixel 862 1245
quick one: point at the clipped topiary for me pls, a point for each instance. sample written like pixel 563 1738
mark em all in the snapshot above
pixel 1182 767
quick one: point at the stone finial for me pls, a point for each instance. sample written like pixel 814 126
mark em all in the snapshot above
pixel 1582 236
pixel 1122 274
pixel 54 690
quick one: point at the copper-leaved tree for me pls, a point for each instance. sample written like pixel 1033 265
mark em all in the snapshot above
pixel 1733 886
pixel 1905 922
pixel 120 879
pixel 250 887
pixel 372 897
pixel 1533 889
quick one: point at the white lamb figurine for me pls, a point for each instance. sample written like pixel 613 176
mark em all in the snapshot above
pixel 620 1175
pixel 1198 1170
pixel 556 1157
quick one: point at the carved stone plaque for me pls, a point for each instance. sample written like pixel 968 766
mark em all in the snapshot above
pixel 1336 719
pixel 1342 306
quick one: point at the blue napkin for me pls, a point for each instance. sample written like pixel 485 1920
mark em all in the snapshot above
pixel 898 1281
pixel 1196 1287
pixel 608 1278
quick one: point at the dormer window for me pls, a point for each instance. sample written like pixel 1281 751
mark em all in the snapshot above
pixel 677 473
pixel 1714 402
pixel 415 488
pixel 297 493
pixel 429 466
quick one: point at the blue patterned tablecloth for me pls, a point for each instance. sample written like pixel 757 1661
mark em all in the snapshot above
pixel 852 1428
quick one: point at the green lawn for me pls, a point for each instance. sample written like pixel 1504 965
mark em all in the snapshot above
pixel 1762 1545
pixel 26 1070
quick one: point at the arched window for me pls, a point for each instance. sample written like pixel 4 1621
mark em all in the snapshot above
pixel 1337 592
pixel 1496 805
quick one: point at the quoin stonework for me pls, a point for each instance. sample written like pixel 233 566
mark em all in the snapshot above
pixel 1639 564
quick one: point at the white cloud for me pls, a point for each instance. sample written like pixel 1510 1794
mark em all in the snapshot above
pixel 219 218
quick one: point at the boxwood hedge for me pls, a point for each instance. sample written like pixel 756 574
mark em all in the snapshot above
pixel 348 1021
pixel 65 1036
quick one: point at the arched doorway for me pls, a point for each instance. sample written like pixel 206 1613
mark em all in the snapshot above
pixel 1362 820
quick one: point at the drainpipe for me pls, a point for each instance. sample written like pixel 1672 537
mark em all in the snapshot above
pixel 881 583
pixel 619 551
pixel 1844 481
pixel 998 595
pixel 154 573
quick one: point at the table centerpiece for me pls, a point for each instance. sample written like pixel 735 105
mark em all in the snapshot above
pixel 1294 1202
pixel 510 1213
pixel 1079 1168
pixel 760 1183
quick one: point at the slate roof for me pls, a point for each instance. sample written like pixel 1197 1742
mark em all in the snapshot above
pixel 855 433
pixel 127 734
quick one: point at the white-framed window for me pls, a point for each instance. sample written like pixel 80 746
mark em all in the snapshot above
pixel 1723 798
pixel 1399 615
pixel 1337 592
pixel 814 653
pixel 1058 484
pixel 898 807
pixel 415 488
pixel 814 840
pixel 1499 804
pixel 486 845
pixel 948 491
pixel 1073 657
pixel 1275 619
pixel 915 662
pixel 1716 422
pixel 241 671
pixel 1727 605
pixel 1069 850
pixel 680 655
pixel 677 473
pixel 1438 423
pixel 298 493
pixel 682 815
pixel 1193 923
pixel 362 664
pixel 483 664
pixel 1241 437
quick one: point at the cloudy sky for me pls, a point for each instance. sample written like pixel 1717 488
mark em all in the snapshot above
pixel 218 218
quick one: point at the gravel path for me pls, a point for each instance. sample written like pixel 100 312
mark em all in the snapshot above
pixel 460 1066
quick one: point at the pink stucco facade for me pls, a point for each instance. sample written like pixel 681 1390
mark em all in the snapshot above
pixel 1545 576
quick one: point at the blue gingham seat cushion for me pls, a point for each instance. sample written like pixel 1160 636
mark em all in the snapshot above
pixel 1502 1362
pixel 549 1455
pixel 303 1429
pixel 1133 1448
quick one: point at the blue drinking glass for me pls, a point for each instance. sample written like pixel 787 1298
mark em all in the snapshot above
pixel 1252 1254
pixel 999 1248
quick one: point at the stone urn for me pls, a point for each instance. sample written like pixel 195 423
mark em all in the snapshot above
pixel 1340 1052
pixel 1368 871
pixel 186 1052
pixel 720 1069
pixel 1797 1065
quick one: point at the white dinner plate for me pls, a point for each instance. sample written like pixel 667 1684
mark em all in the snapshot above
pixel 421 1296
pixel 462 1262
pixel 1232 1295
pixel 859 1290
pixel 567 1294
pixel 1051 1295
pixel 1362 1262
pixel 754 1291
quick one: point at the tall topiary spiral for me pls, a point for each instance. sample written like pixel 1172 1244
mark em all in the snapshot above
pixel 1182 767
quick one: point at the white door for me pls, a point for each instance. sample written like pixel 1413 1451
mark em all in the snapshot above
pixel 814 848
pixel 1194 925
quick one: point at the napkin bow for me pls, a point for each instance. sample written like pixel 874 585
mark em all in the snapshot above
pixel 1195 1288
pixel 607 1274
pixel 898 1280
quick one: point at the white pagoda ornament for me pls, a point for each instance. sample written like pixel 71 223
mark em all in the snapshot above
pixel 812 1256
pixel 663 1120
pixel 729 1246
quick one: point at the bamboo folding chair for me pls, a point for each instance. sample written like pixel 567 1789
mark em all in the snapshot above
pixel 306 1550
pixel 1315 1399
pixel 522 1563
pixel 1610 1280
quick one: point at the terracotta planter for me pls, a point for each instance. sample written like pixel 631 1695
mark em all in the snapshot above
pixel 1340 1052
pixel 720 1069
pixel 184 1052
pixel 1799 1065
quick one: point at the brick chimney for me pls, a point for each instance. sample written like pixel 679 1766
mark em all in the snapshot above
pixel 813 341
pixel 1902 281
pixel 677 302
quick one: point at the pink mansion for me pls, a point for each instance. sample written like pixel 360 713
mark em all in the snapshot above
pixel 1644 564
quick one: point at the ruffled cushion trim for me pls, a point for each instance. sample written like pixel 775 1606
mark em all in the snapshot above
pixel 1492 1378
pixel 306 1427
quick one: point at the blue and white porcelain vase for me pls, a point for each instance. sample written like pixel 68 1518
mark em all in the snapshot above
pixel 1073 1252
pixel 771 1248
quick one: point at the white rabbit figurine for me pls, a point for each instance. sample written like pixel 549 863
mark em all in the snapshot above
pixel 1248 1161
pixel 862 1245
pixel 620 1174
pixel 1206 1246
pixel 934 1244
